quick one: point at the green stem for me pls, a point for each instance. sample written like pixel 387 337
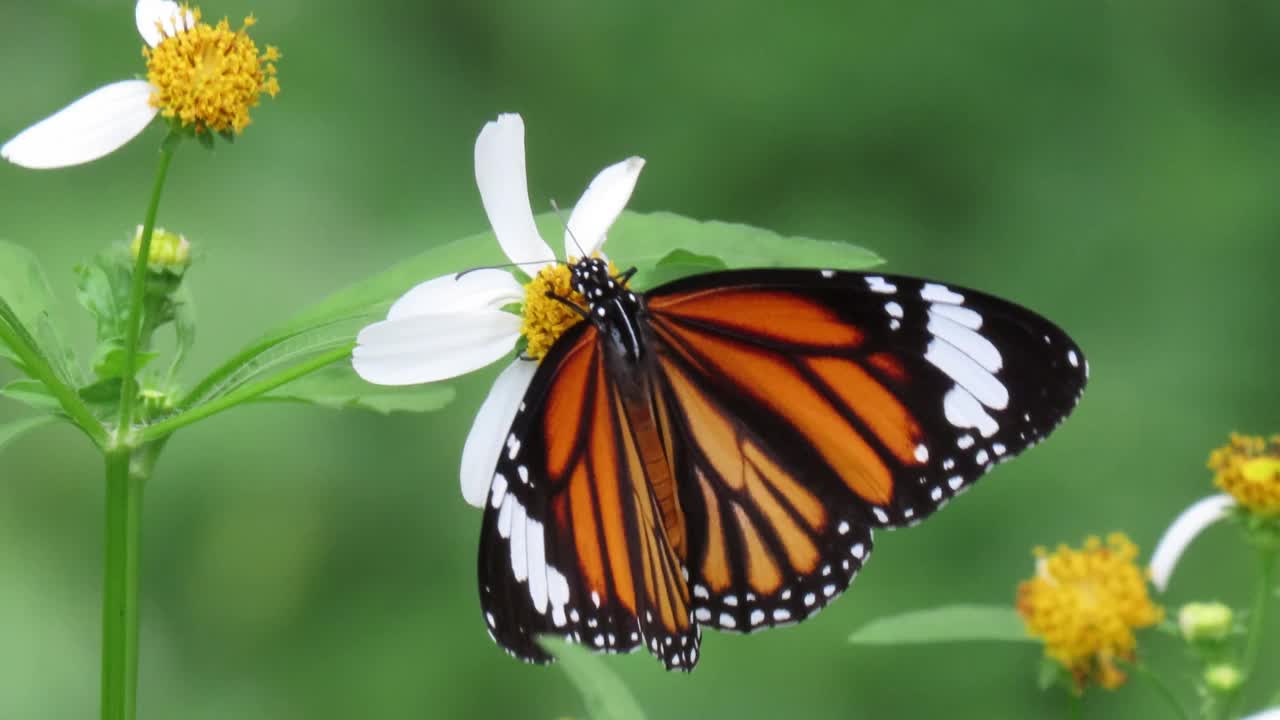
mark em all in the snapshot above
pixel 1161 687
pixel 1077 705
pixel 137 293
pixel 13 334
pixel 160 429
pixel 1257 620
pixel 120 586
pixel 125 480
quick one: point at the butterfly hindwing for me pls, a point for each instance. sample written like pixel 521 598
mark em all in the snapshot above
pixel 593 563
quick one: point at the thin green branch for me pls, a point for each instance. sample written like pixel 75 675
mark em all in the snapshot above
pixel 243 394
pixel 137 293
pixel 242 358
pixel 1161 687
pixel 13 334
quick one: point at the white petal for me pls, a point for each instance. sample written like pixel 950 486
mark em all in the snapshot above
pixel 601 204
pixel 426 348
pixel 1269 714
pixel 85 130
pixel 1184 529
pixel 152 15
pixel 484 289
pixel 489 431
pixel 504 191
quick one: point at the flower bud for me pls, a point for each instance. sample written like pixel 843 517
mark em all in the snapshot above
pixel 1205 621
pixel 169 251
pixel 1223 677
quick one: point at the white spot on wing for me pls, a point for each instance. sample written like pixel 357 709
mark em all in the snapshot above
pixel 878 284
pixel 537 554
pixel 519 554
pixel 781 614
pixel 968 341
pixel 858 551
pixel 828 274
pixel 922 454
pixel 960 314
pixel 504 516
pixel 894 309
pixel 964 411
pixel 955 481
pixel 1073 358
pixel 727 620
pixel 498 490
pixel 703 614
pixel 933 292
pixel 881 515
pixel 757 616
pixel 843 527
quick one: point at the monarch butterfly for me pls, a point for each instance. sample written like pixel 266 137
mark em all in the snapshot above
pixel 717 451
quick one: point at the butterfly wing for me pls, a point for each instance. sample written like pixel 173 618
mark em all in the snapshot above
pixel 811 407
pixel 572 542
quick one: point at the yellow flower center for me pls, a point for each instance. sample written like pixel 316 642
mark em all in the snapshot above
pixel 210 76
pixel 546 318
pixel 1085 604
pixel 1248 468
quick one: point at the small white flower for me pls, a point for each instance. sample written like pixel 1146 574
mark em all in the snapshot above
pixel 1269 714
pixel 104 120
pixel 454 324
pixel 1182 531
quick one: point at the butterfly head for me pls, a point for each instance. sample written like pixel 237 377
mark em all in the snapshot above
pixel 593 279
pixel 611 305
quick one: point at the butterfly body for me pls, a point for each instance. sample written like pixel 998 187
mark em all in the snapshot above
pixel 719 450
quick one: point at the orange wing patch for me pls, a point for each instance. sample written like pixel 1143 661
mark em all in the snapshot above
pixel 876 406
pixel 788 393
pixel 791 318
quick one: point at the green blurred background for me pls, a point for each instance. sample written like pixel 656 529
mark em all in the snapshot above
pixel 1112 165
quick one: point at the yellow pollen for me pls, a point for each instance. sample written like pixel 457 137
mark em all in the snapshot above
pixel 1085 604
pixel 1248 468
pixel 546 319
pixel 210 76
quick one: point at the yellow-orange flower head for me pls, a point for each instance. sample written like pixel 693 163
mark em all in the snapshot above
pixel 209 76
pixel 1085 604
pixel 1248 468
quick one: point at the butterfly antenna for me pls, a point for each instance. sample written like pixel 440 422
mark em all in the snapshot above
pixel 503 266
pixel 554 206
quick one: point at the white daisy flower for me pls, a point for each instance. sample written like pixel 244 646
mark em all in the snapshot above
pixel 205 76
pixel 454 324
pixel 1182 531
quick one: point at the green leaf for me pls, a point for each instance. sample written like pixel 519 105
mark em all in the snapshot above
pixel 32 393
pixel 953 623
pixel 604 694
pixel 682 263
pixel 645 241
pixel 25 290
pixel 338 387
pixel 642 240
pixel 11 430
pixel 103 290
